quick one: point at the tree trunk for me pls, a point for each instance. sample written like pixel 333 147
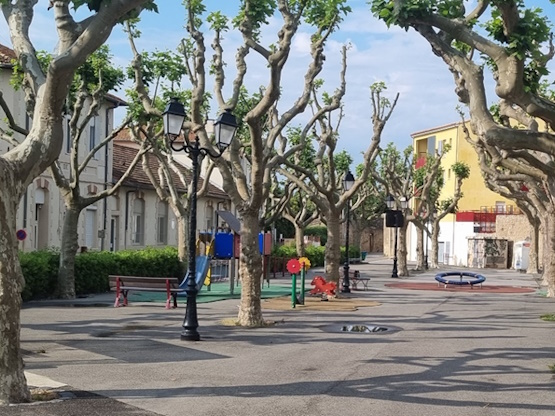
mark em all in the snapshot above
pixel 402 251
pixel 434 263
pixel 299 240
pixel 13 386
pixel 549 252
pixel 419 248
pixel 356 228
pixel 66 274
pixel 333 249
pixel 250 272
pixel 182 242
pixel 533 260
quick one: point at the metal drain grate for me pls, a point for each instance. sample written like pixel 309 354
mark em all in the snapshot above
pixel 360 328
pixel 363 328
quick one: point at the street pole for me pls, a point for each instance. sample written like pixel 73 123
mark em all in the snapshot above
pixel 394 272
pixel 225 128
pixel 426 254
pixel 190 323
pixel 346 288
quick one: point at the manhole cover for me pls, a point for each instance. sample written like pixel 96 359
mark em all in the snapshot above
pixel 360 328
pixel 363 328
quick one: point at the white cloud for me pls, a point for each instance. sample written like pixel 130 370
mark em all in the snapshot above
pixel 301 43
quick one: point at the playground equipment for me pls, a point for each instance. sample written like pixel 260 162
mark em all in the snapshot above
pixel 475 279
pixel 205 252
pixel 207 240
pixel 202 268
pixel 323 287
pixel 295 266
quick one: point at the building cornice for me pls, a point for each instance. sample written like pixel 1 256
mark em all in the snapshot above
pixel 437 129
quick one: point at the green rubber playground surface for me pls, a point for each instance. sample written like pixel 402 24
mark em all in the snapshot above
pixel 218 291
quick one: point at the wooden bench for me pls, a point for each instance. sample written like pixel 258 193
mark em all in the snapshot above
pixel 123 284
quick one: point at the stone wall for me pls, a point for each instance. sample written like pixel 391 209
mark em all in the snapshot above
pixel 371 240
pixel 512 227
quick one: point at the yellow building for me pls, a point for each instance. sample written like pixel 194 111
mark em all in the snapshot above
pixel 479 206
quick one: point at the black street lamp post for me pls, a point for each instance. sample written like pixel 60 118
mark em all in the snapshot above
pixel 225 128
pixel 426 266
pixel 348 183
pixel 394 272
pixel 399 219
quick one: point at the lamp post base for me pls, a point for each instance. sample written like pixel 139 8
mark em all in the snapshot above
pixel 190 324
pixel 346 282
pixel 394 272
pixel 190 335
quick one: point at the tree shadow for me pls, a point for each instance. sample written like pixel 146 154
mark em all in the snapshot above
pixel 432 381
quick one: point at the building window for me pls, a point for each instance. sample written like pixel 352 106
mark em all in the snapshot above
pixel 431 145
pixel 137 236
pixel 162 223
pixel 447 253
pixel 209 216
pixel 42 219
pixel 90 227
pixel 92 134
pixel 500 206
pixel 68 135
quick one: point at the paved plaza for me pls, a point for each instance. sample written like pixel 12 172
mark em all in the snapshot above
pixel 445 352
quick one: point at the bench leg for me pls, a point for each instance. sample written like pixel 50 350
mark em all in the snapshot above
pixel 172 298
pixel 125 302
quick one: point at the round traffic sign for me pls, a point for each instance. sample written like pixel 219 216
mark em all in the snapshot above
pixel 21 235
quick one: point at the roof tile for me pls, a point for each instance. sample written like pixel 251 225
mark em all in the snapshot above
pixel 6 55
pixel 123 155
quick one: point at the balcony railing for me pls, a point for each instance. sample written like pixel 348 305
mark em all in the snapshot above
pixel 484 218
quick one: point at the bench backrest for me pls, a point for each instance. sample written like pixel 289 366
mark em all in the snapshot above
pixel 139 281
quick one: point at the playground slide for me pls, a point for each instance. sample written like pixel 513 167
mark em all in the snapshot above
pixel 202 267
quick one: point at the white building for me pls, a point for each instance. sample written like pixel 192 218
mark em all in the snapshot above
pixel 131 219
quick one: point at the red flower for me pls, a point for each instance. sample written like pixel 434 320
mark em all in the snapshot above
pixel 293 266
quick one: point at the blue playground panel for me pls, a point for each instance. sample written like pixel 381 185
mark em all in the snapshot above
pixel 223 246
pixel 475 278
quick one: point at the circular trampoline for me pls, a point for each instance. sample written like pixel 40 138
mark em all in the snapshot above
pixel 464 278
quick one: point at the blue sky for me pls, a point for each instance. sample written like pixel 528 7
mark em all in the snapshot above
pixel 402 60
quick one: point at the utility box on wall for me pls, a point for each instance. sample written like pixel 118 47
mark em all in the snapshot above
pixel 521 255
